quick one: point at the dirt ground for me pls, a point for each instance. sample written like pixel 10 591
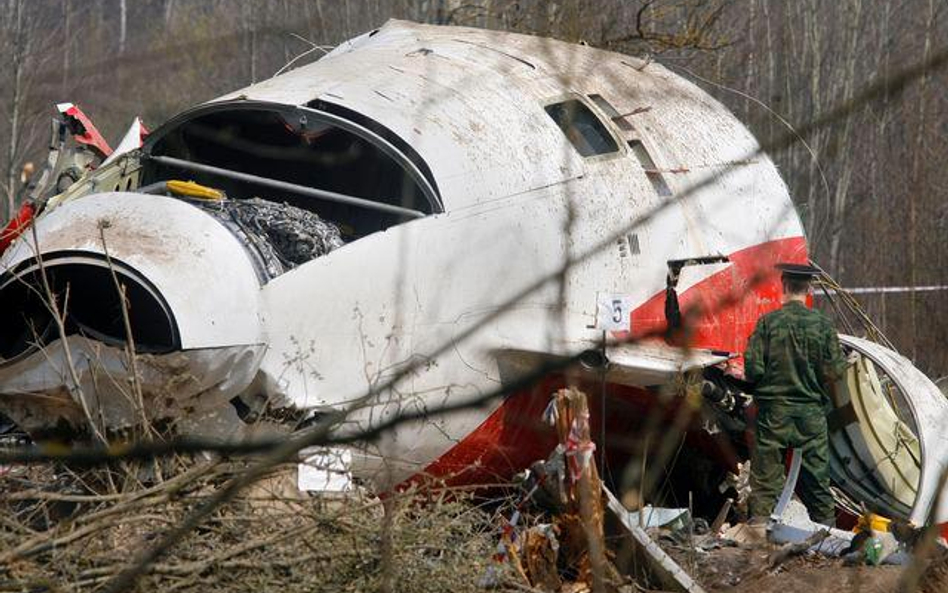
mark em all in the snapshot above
pixel 741 570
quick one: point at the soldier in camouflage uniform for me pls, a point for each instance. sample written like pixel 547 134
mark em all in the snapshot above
pixel 793 359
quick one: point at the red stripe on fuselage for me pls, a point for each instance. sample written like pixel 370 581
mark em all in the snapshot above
pixel 731 300
pixel 514 435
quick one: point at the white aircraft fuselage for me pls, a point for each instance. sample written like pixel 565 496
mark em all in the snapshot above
pixel 503 200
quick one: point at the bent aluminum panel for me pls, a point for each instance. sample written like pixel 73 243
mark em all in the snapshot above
pixel 929 408
pixel 191 387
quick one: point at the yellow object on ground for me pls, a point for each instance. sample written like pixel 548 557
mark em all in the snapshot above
pixel 873 522
pixel 194 190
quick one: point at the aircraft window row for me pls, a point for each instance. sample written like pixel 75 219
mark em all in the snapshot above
pixel 582 128
pixel 636 146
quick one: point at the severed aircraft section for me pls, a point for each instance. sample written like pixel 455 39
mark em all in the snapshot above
pixel 395 219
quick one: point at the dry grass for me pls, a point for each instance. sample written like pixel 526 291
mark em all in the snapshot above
pixel 73 531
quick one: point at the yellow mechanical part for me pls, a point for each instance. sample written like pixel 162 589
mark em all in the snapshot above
pixel 194 190
pixel 873 522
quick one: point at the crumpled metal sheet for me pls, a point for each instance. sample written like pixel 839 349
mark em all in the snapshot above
pixel 296 235
pixel 191 388
pixel 929 409
pixel 650 517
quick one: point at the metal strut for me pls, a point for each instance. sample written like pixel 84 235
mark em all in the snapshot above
pixel 295 188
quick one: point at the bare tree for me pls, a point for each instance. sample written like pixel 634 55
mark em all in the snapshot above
pixel 18 49
pixel 123 25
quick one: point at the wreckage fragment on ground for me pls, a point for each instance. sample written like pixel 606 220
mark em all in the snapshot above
pixel 395 217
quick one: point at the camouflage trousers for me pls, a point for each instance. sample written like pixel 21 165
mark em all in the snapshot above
pixel 779 429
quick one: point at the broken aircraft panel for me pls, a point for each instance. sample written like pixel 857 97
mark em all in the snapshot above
pixel 407 202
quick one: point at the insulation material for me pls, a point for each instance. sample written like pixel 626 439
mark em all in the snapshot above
pixel 296 235
pixel 192 387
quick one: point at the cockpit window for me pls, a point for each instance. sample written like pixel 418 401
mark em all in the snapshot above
pixel 296 158
pixel 582 128
pixel 298 182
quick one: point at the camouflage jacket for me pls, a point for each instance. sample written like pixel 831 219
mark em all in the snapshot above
pixel 793 358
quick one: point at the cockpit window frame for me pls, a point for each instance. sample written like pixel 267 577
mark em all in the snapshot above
pixel 612 114
pixel 608 127
pixel 409 165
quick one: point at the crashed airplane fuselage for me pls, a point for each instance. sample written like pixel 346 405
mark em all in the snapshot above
pixel 429 210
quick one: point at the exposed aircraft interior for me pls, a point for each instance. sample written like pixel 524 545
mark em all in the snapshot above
pixel 340 180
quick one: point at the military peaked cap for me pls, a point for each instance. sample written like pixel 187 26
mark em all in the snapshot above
pixel 801 271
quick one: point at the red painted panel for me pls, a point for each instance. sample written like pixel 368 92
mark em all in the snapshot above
pixel 16 226
pixel 514 435
pixel 85 132
pixel 750 288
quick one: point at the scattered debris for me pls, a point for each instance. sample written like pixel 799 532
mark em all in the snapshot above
pixel 657 563
pixel 564 548
pixel 569 551
pixel 56 523
pixel 649 517
pixel 792 550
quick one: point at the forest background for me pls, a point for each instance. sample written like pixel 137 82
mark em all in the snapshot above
pixel 871 189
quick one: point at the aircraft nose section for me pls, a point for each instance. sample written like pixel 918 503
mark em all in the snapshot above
pixel 162 271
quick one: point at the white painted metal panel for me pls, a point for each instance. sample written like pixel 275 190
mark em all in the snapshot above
pixel 471 106
pixel 196 264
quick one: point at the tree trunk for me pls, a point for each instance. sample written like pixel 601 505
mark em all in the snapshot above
pixel 16 65
pixel 841 198
pixel 67 37
pixel 169 12
pixel 918 184
pixel 251 27
pixel 323 31
pixel 123 25
pixel 348 18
